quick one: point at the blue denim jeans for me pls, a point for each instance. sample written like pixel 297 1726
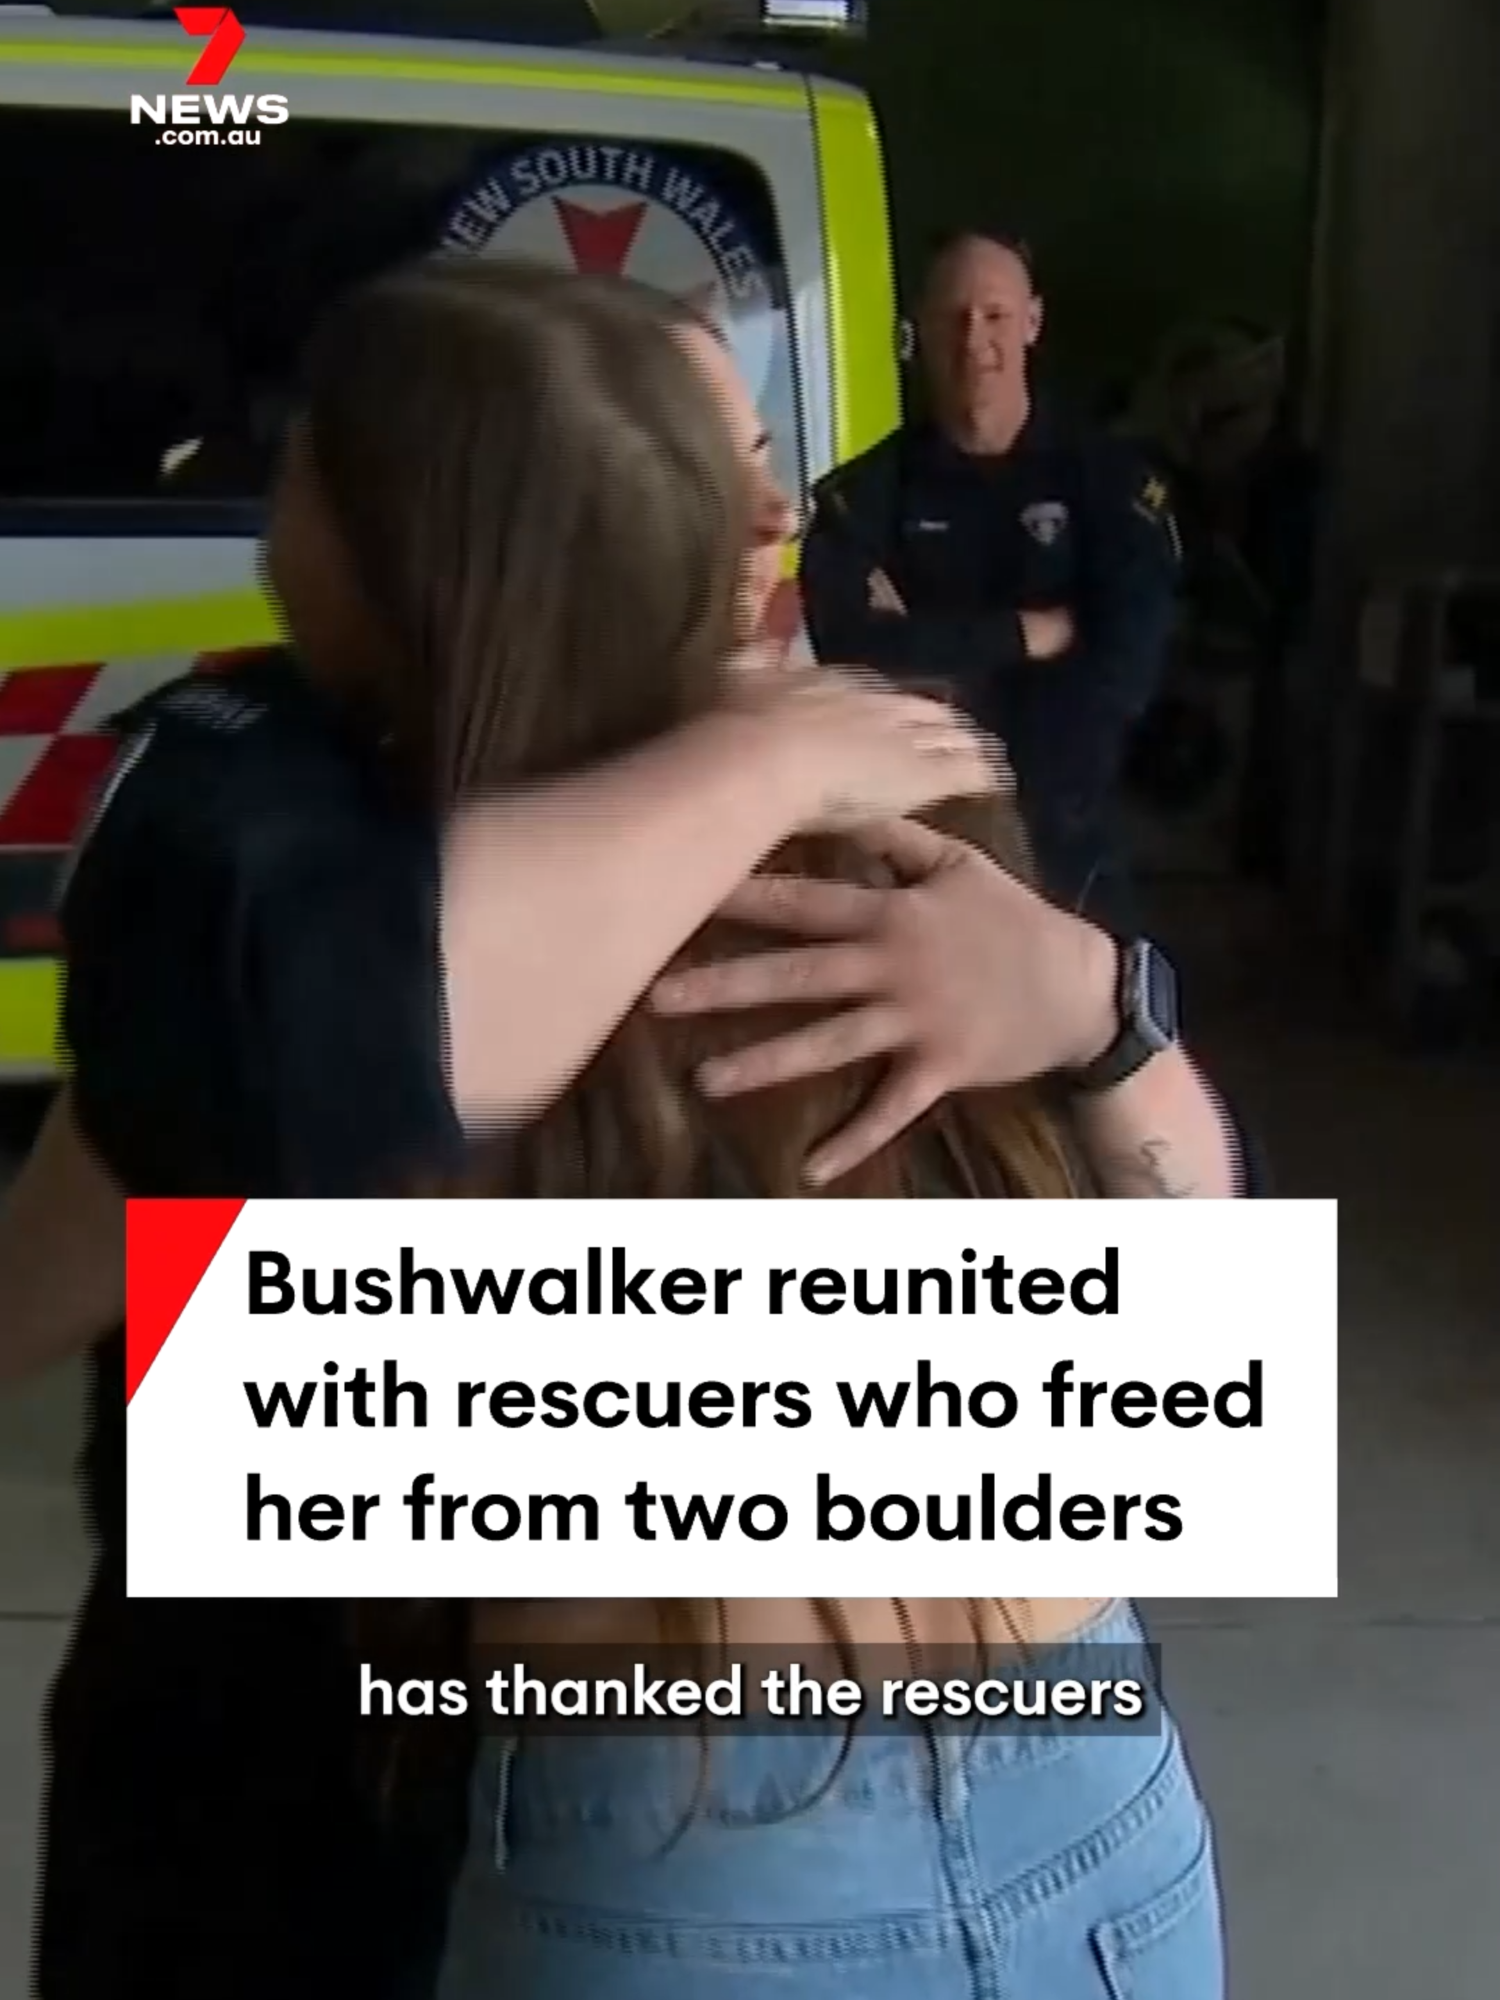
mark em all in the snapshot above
pixel 1011 1864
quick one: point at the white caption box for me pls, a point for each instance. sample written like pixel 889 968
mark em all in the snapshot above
pixel 1208 1469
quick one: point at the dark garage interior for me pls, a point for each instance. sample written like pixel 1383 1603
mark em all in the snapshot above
pixel 1269 236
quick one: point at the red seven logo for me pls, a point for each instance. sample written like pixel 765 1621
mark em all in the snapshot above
pixel 225 40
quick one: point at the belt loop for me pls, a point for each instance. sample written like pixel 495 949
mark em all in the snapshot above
pixel 500 1807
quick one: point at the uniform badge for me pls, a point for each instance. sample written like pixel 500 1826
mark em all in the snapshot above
pixel 1045 522
pixel 1154 504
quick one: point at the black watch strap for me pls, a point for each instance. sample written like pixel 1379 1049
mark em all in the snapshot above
pixel 1147 1008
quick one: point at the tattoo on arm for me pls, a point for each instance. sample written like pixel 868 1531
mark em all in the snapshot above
pixel 1147 1172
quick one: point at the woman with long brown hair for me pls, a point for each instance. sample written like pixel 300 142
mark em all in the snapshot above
pixel 1038 1864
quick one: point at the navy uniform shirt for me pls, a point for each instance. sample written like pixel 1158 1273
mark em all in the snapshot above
pixel 253 1007
pixel 1070 519
pixel 253 1003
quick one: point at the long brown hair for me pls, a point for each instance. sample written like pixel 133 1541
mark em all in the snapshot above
pixel 539 499
pixel 541 502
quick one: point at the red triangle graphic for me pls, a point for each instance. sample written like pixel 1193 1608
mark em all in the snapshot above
pixel 168 1247
pixel 601 239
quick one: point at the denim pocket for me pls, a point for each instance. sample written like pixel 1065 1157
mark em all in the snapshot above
pixel 1170 1946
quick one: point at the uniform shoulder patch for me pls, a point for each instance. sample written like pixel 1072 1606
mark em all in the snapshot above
pixel 199 701
pixel 211 704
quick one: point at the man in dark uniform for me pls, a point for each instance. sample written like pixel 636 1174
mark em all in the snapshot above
pixel 1023 560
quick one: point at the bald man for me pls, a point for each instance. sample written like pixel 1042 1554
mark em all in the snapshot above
pixel 1021 559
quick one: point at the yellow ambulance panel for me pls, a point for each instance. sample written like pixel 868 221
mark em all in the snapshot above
pixel 145 383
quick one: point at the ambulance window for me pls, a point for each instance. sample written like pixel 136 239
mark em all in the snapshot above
pixel 156 297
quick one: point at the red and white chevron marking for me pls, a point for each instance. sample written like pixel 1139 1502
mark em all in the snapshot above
pixel 54 746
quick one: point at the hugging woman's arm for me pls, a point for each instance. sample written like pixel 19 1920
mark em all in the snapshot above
pixel 964 979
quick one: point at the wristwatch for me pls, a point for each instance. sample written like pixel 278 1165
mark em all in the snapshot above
pixel 1147 1006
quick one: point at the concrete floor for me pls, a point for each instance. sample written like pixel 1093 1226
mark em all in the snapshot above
pixel 1351 1750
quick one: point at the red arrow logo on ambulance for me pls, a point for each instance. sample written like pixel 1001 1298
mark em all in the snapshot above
pixel 225 40
pixel 601 239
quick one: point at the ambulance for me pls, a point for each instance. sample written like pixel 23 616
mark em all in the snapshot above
pixel 178 209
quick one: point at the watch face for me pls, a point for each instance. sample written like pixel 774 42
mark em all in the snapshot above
pixel 1158 996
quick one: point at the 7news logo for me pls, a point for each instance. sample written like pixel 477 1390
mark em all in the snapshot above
pixel 192 117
